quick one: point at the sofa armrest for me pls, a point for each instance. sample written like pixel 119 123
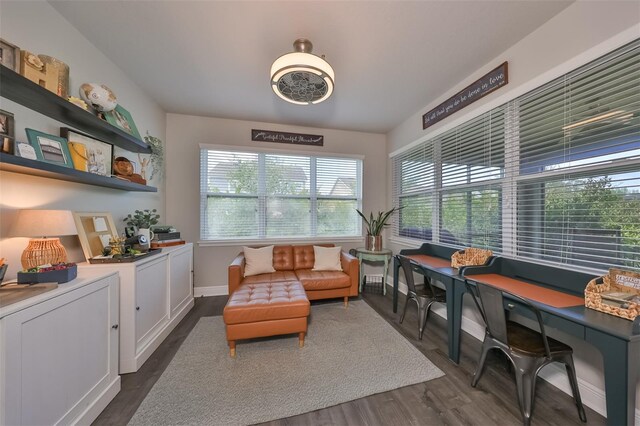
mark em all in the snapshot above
pixel 236 273
pixel 351 267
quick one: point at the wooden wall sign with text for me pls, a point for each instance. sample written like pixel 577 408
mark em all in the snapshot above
pixel 285 137
pixel 476 90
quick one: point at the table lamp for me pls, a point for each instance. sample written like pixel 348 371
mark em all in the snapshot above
pixel 40 225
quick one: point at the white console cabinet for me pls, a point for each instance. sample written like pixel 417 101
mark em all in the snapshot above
pixel 59 353
pixel 156 292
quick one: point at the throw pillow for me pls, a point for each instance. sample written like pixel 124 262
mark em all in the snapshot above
pixel 327 258
pixel 258 260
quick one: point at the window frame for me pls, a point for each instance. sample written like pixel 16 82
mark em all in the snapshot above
pixel 262 197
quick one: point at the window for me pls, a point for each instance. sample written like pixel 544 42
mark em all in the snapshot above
pixel 553 175
pixel 267 195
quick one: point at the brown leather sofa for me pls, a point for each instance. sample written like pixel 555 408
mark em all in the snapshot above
pixel 278 302
pixel 294 263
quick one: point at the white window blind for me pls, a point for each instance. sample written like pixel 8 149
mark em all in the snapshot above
pixel 258 195
pixel 552 176
pixel 579 189
pixel 414 191
pixel 473 162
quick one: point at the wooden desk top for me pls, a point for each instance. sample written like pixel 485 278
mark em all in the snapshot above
pixel 432 261
pixel 554 298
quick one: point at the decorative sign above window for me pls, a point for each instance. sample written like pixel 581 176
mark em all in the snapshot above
pixel 481 87
pixel 285 137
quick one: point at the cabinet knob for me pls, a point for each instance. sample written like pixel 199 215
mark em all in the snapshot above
pixel 137 308
pixel 510 305
pixel 114 326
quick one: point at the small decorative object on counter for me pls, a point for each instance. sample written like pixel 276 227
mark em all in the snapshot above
pixel 32 68
pixel 10 57
pixel 3 268
pixel 62 69
pixel 617 293
pixel 123 169
pixel 99 96
pixel 60 273
pixel 117 245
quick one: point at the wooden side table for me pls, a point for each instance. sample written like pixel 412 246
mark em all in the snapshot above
pixel 383 255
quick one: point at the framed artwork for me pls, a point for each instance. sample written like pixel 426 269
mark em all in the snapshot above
pixel 24 150
pixel 50 148
pixel 10 55
pixel 95 229
pixel 7 131
pixel 121 118
pixel 88 153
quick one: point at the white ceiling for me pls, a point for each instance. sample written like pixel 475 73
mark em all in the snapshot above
pixel 390 57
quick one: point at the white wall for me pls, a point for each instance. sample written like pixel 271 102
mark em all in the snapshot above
pixel 582 32
pixel 185 134
pixel 37 27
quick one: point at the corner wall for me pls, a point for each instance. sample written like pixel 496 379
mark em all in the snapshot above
pixel 185 133
pixel 35 26
pixel 581 33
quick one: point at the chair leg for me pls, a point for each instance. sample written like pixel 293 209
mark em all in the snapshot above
pixel 486 346
pixel 301 339
pixel 404 311
pixel 232 348
pixel 526 388
pixel 573 381
pixel 346 301
pixel 422 318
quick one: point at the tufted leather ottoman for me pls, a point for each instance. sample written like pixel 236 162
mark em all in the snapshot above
pixel 266 309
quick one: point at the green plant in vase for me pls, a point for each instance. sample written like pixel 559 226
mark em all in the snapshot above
pixel 375 225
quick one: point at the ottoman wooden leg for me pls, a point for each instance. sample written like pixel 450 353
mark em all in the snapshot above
pixel 301 339
pixel 232 348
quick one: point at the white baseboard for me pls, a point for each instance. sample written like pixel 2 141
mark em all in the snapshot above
pixel 592 396
pixel 214 290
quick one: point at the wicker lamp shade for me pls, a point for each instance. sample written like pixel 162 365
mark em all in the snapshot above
pixel 39 224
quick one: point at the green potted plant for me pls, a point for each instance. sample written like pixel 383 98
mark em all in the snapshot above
pixel 142 221
pixel 375 225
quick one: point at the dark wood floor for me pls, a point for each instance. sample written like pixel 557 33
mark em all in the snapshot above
pixel 448 400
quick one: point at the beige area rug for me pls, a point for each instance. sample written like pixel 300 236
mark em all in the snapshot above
pixel 348 354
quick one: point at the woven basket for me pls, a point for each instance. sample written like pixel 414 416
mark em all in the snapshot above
pixel 597 286
pixel 470 257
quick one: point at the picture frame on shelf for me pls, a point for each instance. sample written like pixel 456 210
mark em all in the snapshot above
pixel 25 150
pixel 95 229
pixel 10 55
pixel 50 148
pixel 121 118
pixel 88 153
pixel 7 131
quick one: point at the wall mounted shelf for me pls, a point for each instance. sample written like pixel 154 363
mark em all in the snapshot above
pixel 12 163
pixel 27 93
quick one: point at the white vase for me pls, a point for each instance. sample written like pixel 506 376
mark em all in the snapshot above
pixel 148 233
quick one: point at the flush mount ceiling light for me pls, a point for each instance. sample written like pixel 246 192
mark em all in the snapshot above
pixel 301 77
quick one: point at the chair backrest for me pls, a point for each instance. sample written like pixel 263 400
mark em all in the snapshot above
pixel 408 272
pixel 490 303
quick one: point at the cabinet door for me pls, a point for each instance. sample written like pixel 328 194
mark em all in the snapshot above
pixel 180 278
pixel 59 356
pixel 152 308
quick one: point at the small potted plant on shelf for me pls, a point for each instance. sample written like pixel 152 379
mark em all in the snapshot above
pixel 142 221
pixel 375 225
